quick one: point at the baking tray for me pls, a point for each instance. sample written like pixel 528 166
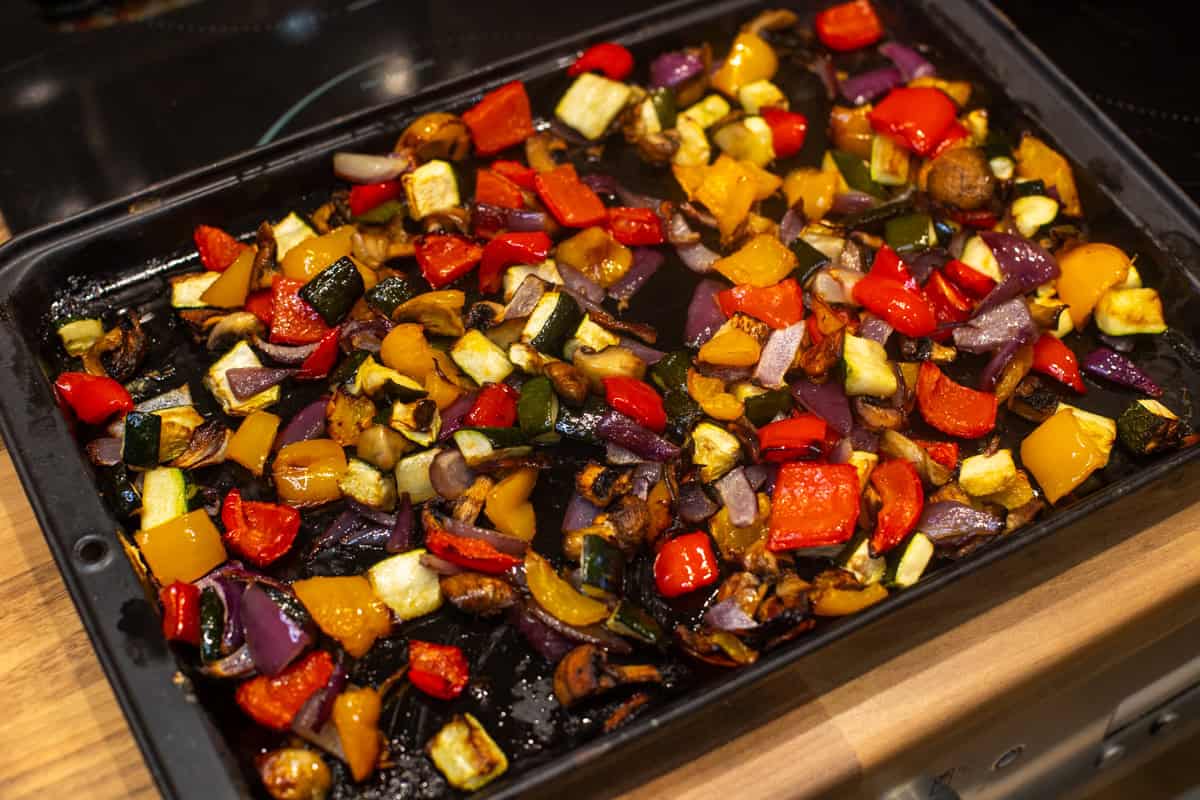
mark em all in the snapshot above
pixel 122 247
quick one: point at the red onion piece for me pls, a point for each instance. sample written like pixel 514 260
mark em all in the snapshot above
pixel 525 298
pixel 642 350
pixel 502 542
pixel 864 440
pixel 704 316
pixel 922 265
pixel 579 513
pixel 759 474
pixel 1024 264
pixel 948 521
pixel 309 423
pixel 646 262
pixel 778 354
pixel 283 353
pixel 364 168
pixel 852 202
pixel 105 452
pixel 521 220
pixel 238 664
pixel 694 504
pixel 618 456
pixel 548 642
pixel 600 182
pixel 674 68
pixel 1111 365
pixel 910 63
pixel 990 376
pixel 440 565
pixel 998 326
pixel 274 637
pixel 316 710
pixel 737 497
pixel 401 539
pixel 245 382
pixel 826 400
pixel 691 251
pixel 727 615
pixel 364 334
pixel 874 328
pixel 645 475
pixel 580 284
pixel 375 515
pixel 455 413
pixel 592 634
pixel 450 474
pixel 791 225
pixel 867 86
pixel 840 454
pixel 616 427
pixel 375 536
pixel 344 524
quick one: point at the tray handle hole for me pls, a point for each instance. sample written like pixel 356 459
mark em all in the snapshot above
pixel 92 552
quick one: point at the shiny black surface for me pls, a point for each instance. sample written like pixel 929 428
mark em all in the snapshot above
pixel 86 116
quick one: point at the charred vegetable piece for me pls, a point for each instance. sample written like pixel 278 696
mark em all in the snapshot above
pixel 586 672
pixel 474 593
pixel 466 755
pixel 1147 426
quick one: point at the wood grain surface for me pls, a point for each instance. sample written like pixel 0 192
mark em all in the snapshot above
pixel 861 708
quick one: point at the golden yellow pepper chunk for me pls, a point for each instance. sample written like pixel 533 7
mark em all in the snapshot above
pixel 508 505
pixel 346 609
pixel 595 253
pixel 812 189
pixel 307 473
pixel 305 260
pixel 1061 455
pixel 1036 160
pixel 230 290
pixel 251 444
pixel 1087 272
pixel 731 348
pixel 750 59
pixel 763 261
pixel 356 719
pixel 183 549
pixel 557 596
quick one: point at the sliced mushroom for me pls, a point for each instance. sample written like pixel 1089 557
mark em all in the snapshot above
pixel 926 349
pixel 540 149
pixel 483 595
pixel 437 135
pixel 440 312
pixel 207 447
pixel 119 352
pixel 586 672
pixel 817 358
pixel 484 315
pixel 962 177
pixel 569 383
pixel 630 519
pixel 457 220
pixel 878 416
pixel 897 445
pixel 229 329
pixel 1019 517
pixel 265 266
pixel 1033 399
pixel 293 773
pixel 638 330
pixel 600 484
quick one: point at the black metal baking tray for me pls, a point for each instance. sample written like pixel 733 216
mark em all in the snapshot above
pixel 123 249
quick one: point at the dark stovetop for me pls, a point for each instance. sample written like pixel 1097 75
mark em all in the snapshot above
pixel 89 115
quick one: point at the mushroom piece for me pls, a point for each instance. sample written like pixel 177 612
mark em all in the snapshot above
pixel 119 352
pixel 601 484
pixel 293 773
pixel 630 518
pixel 569 383
pixel 540 149
pixel 1033 399
pixel 229 329
pixel 207 447
pixel 962 177
pixel 586 672
pixel 878 417
pixel 926 349
pixel 440 312
pixel 897 445
pixel 437 135
pixel 265 266
pixel 478 594
pixel 484 315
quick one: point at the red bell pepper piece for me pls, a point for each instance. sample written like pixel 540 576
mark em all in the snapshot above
pixel 635 226
pixel 970 280
pixel 899 487
pixel 181 612
pixel 888 264
pixel 570 200
pixel 260 304
pixel 260 532
pixel 293 321
pixel 916 117
pixel 506 249
pixel 470 553
pixel 274 702
pixel 949 302
pixel 497 190
pixel 1052 357
pixel 944 453
pixel 952 408
pixel 516 172
pixel 501 119
pixel 608 57
pixel 788 130
pixel 446 257
pixel 799 438
pixel 685 564
pixel 321 361
pixel 438 670
pixel 956 132
pixel 218 250
pixel 907 310
pixel 779 306
pixel 366 196
pixel 979 218
pixel 636 399
pixel 93 398
pixel 849 26
pixel 812 505
pixel 495 407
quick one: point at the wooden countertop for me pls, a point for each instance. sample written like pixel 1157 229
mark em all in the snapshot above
pixel 62 734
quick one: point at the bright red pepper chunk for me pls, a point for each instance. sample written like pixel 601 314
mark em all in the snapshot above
pixel 951 408
pixel 1052 357
pixel 321 361
pixel 446 257
pixel 779 306
pixel 888 264
pixel 944 453
pixel 438 670
pixel 970 280
pixel 570 200
pixel 364 197
pixel 905 309
pixel 800 438
pixel 638 400
pixel 685 564
pixel 501 119
pixel 181 612
pixel 93 398
pixel 470 553
pixel 608 57
pixel 635 226
pixel 899 487
pixel 788 130
pixel 916 117
pixel 813 505
pixel 495 407
pixel 218 250
pixel 950 304
pixel 506 249
pixel 260 303
pixel 516 172
pixel 849 26
pixel 293 321
pixel 496 190
pixel 260 532
pixel 273 702
pixel 955 133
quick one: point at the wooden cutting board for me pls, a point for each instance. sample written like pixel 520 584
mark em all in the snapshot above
pixel 62 734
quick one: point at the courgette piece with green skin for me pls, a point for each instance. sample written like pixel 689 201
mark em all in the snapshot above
pixel 629 619
pixel 347 371
pixel 553 320
pixel 212 624
pixel 79 335
pixel 908 563
pixel 412 476
pixel 1029 188
pixel 808 259
pixel 602 567
pixel 868 371
pixel 334 290
pixel 580 423
pixel 1148 426
pixel 187 289
pixel 164 496
pixel 537 409
pixel 889 162
pixel 910 233
pixel 663 100
pixel 120 491
pixel 762 408
pixel 363 483
pixel 391 293
pixel 856 558
pixel 483 444
pixel 481 358
pixel 670 372
pixel 289 232
pixel 141 439
pixel 856 173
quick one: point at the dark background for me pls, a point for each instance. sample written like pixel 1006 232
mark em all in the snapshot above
pixel 91 110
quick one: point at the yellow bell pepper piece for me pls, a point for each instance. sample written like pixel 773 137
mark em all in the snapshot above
pixel 690 178
pixel 728 192
pixel 251 444
pixel 958 91
pixel 230 290
pixel 441 391
pixel 557 596
pixel 346 609
pixel 834 601
pixel 183 549
pixel 356 719
pixel 750 59
pixel 1087 272
pixel 813 189
pixel 766 183
pixel 1060 455
pixel 595 253
pixel 1036 160
pixel 508 505
pixel 763 261
pixel 710 394
pixel 406 350
pixel 307 473
pixel 305 260
pixel 731 348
